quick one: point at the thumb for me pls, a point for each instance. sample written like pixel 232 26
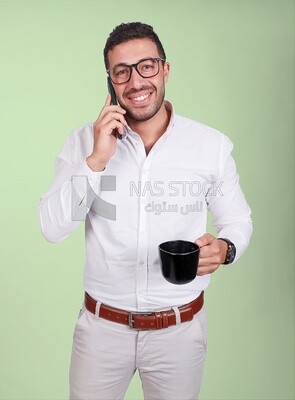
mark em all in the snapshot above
pixel 199 242
pixel 108 100
pixel 204 240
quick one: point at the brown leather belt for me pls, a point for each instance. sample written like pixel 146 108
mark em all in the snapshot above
pixel 146 320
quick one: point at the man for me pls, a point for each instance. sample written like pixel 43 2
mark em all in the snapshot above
pixel 161 172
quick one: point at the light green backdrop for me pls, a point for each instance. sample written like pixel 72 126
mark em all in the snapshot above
pixel 232 68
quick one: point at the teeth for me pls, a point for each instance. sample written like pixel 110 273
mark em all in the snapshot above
pixel 140 98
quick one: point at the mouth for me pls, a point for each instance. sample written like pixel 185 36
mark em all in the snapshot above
pixel 139 99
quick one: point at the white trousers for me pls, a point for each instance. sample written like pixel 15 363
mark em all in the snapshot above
pixel 106 354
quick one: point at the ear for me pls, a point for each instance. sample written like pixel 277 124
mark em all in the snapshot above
pixel 166 71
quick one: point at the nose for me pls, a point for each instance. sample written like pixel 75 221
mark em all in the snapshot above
pixel 136 81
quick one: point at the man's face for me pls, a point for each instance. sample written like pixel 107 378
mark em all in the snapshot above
pixel 140 97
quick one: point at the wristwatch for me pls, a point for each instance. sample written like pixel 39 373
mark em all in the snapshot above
pixel 231 251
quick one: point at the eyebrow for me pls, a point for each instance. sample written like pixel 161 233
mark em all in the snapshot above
pixel 128 65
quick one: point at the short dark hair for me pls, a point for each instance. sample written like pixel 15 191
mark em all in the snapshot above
pixel 130 31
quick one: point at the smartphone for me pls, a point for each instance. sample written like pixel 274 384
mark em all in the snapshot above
pixel 114 102
pixel 112 92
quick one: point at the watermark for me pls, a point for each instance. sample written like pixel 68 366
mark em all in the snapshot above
pixel 159 208
pixel 175 188
pixel 84 197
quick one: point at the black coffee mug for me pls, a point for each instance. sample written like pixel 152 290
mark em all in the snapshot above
pixel 179 259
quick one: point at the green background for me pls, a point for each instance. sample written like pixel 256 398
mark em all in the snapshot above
pixel 231 68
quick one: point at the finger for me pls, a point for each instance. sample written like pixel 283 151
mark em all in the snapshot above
pixel 205 270
pixel 108 100
pixel 114 125
pixel 116 108
pixel 205 262
pixel 110 109
pixel 202 271
pixel 104 120
pixel 208 269
pixel 113 115
pixel 209 250
pixel 205 239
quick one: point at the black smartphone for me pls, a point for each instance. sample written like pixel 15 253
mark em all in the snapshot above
pixel 112 92
pixel 114 102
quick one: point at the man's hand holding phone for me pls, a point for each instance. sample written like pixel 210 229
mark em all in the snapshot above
pixel 110 121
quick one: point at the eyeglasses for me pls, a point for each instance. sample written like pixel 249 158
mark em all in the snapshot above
pixel 146 68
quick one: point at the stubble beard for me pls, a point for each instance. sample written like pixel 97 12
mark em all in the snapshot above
pixel 135 116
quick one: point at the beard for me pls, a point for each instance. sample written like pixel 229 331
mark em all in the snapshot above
pixel 142 115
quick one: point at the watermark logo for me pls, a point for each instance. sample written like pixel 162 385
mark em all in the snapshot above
pixel 84 198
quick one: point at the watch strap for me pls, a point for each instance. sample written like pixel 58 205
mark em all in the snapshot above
pixel 231 251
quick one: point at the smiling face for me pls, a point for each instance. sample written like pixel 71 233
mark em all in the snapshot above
pixel 142 98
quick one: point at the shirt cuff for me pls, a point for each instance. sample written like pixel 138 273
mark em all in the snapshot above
pixel 239 238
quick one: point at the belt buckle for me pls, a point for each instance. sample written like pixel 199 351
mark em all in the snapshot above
pixel 131 320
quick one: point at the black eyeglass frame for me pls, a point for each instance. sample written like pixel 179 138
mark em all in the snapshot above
pixel 135 65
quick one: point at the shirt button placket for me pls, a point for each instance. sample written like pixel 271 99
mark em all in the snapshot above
pixel 141 267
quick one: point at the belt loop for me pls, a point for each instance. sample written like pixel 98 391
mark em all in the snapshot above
pixel 97 309
pixel 177 315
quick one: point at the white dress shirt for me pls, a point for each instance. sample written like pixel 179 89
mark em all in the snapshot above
pixel 162 196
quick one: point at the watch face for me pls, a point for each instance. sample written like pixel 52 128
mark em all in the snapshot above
pixel 231 253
